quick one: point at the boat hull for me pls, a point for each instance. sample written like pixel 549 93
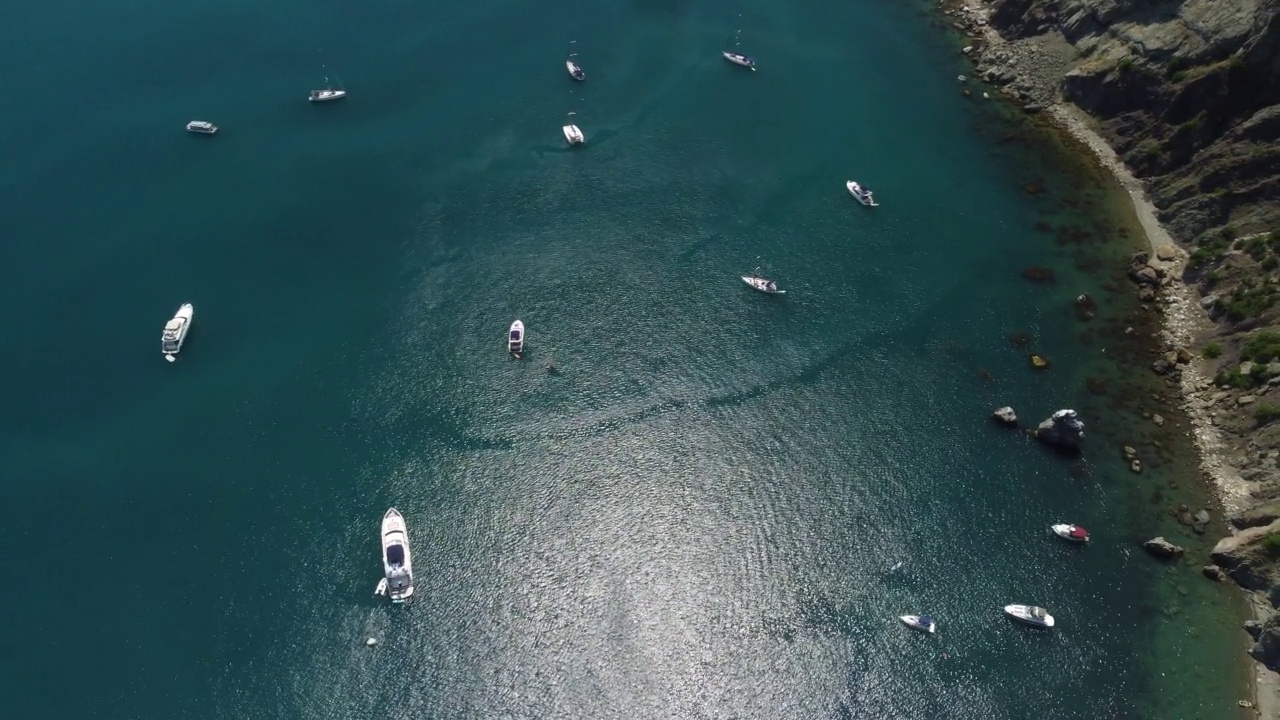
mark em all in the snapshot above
pixel 397 563
pixel 575 71
pixel 176 330
pixel 1064 531
pixel 515 338
pixel 762 285
pixel 1024 614
pixel 862 196
pixel 327 95
pixel 916 622
pixel 573 135
pixel 739 59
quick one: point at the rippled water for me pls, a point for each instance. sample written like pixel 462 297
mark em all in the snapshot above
pixel 696 515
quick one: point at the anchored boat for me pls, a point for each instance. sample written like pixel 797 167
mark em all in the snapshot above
pixel 861 194
pixel 575 70
pixel 515 338
pixel 175 332
pixel 397 566
pixel 1030 614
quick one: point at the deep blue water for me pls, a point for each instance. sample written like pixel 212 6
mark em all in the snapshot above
pixel 695 517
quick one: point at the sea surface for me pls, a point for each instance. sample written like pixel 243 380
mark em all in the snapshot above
pixel 699 513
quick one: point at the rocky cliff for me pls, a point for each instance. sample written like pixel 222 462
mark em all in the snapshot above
pixel 1187 92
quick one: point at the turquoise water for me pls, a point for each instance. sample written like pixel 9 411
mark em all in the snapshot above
pixel 696 516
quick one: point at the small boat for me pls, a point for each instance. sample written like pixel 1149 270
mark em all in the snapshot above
pixel 1030 614
pixel 572 134
pixel 575 70
pixel 397 565
pixel 202 127
pixel 923 623
pixel 736 57
pixel 175 332
pixel 764 285
pixel 328 93
pixel 1071 533
pixel 515 338
pixel 861 194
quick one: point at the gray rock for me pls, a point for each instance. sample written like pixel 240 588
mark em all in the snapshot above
pixel 1166 252
pixel 1161 366
pixel 1267 648
pixel 1273 369
pixel 1208 301
pixel 1136 465
pixel 1213 572
pixel 1230 551
pixel 1163 549
pixel 1245 400
pixel 1005 416
pixel 1129 452
pixel 1246 367
pixel 1157 419
pixel 1063 430
pixel 1200 521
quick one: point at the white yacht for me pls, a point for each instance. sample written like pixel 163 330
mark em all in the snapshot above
pixel 203 127
pixel 326 95
pixel 515 338
pixel 572 134
pixel 175 332
pixel 575 70
pixel 1030 614
pixel 763 284
pixel 923 623
pixel 1070 533
pixel 861 194
pixel 396 562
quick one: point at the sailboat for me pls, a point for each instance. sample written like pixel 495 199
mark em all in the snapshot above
pixel 575 70
pixel 572 134
pixel 761 283
pixel 329 92
pixel 735 57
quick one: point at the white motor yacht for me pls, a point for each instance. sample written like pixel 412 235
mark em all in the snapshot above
pixel 923 623
pixel 515 338
pixel 175 332
pixel 1070 533
pixel 572 134
pixel 202 127
pixel 397 565
pixel 861 194
pixel 1030 614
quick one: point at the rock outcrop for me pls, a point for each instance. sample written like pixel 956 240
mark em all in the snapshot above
pixel 1064 431
pixel 1186 91
pixel 1005 416
pixel 1266 649
pixel 1163 549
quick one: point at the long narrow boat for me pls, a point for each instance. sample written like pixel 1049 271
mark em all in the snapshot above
pixel 175 332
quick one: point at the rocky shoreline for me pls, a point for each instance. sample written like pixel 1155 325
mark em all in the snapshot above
pixel 1042 55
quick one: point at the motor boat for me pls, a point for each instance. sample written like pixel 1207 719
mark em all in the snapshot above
pixel 397 565
pixel 326 95
pixel 202 127
pixel 1030 614
pixel 764 285
pixel 923 623
pixel 861 194
pixel 515 338
pixel 1070 533
pixel 572 134
pixel 738 58
pixel 175 332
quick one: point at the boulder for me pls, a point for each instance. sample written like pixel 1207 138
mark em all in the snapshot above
pixel 1005 416
pixel 1253 627
pixel 1257 516
pixel 1145 275
pixel 1158 419
pixel 1129 452
pixel 1063 430
pixel 1245 400
pixel 1161 366
pixel 1136 466
pixel 1163 549
pixel 1213 572
pixel 1184 356
pixel 1166 253
pixel 1267 648
pixel 1231 551
pixel 1200 521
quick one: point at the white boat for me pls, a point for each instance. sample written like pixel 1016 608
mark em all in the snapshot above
pixel 764 285
pixel 1030 614
pixel 203 127
pixel 515 338
pixel 572 134
pixel 923 623
pixel 1070 533
pixel 175 332
pixel 328 93
pixel 861 194
pixel 397 565
pixel 575 70
pixel 737 58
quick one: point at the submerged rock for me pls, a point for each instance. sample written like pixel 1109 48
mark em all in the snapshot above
pixel 1005 416
pixel 1200 521
pixel 1213 572
pixel 1063 430
pixel 1161 548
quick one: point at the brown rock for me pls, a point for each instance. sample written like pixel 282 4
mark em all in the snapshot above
pixel 1166 253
